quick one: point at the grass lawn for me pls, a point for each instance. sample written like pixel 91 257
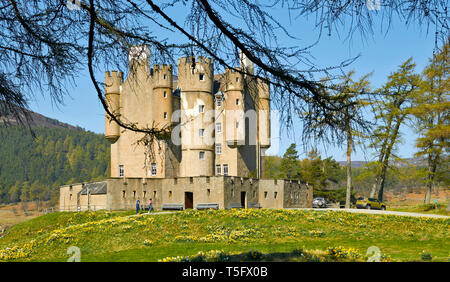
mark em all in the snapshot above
pixel 280 235
pixel 429 208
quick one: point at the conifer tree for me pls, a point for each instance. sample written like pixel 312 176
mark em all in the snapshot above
pixel 432 117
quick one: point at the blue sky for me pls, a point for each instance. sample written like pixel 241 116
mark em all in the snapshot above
pixel 379 53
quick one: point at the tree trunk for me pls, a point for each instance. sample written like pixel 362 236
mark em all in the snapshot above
pixel 431 172
pixel 374 188
pixel 387 154
pixel 349 169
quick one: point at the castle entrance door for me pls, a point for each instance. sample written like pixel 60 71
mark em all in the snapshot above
pixel 188 200
pixel 244 199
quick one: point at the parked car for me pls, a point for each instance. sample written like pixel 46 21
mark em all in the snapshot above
pixel 319 203
pixel 369 203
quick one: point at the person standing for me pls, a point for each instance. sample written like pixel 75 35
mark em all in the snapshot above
pixel 150 205
pixel 137 206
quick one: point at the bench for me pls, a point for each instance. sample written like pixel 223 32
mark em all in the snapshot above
pixel 254 205
pixel 179 207
pixel 207 206
pixel 235 206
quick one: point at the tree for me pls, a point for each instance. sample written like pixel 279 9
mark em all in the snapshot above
pixel 289 167
pixel 45 51
pixel 431 112
pixel 392 111
pixel 352 124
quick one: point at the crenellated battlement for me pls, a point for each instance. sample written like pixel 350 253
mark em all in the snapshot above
pixel 113 81
pixel 163 68
pixel 234 80
pixel 162 76
pixel 195 74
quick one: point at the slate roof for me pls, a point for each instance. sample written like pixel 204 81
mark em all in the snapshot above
pixel 96 188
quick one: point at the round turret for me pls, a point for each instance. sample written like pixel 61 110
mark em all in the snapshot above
pixel 264 113
pixel 113 82
pixel 195 74
pixel 195 80
pixel 234 108
pixel 162 95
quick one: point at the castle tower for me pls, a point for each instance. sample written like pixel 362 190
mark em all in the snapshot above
pixel 113 84
pixel 234 108
pixel 162 95
pixel 195 80
pixel 263 113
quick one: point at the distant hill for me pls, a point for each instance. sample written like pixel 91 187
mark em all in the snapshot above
pixel 38 120
pixel 33 167
pixel 402 163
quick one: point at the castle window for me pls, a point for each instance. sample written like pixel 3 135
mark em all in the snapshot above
pixel 134 194
pixel 202 76
pixel 208 192
pixel 170 194
pixel 145 192
pixel 218 169
pixel 237 124
pixel 254 194
pixel 70 196
pixel 265 194
pixel 218 148
pixel 165 115
pixel 201 132
pixel 237 101
pixel 201 108
pixel 121 171
pixel 237 79
pixel 154 194
pixel 153 169
pixel 165 76
pixel 201 155
pixel 165 94
pixel 225 169
pixel 123 194
pixel 191 180
pixel 219 127
pixel 275 194
pixel 219 103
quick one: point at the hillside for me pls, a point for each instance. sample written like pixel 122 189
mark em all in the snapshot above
pixel 227 235
pixel 37 120
pixel 32 168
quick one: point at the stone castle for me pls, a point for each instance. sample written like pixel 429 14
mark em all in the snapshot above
pixel 220 129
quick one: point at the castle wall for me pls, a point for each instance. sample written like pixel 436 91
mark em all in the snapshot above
pixel 68 197
pixel 271 193
pixel 297 195
pixel 204 189
pixel 236 186
pixel 96 202
pixel 124 192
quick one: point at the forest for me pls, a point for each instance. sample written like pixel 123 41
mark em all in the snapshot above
pixel 329 177
pixel 33 167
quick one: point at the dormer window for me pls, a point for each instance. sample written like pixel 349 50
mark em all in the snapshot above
pixel 202 77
